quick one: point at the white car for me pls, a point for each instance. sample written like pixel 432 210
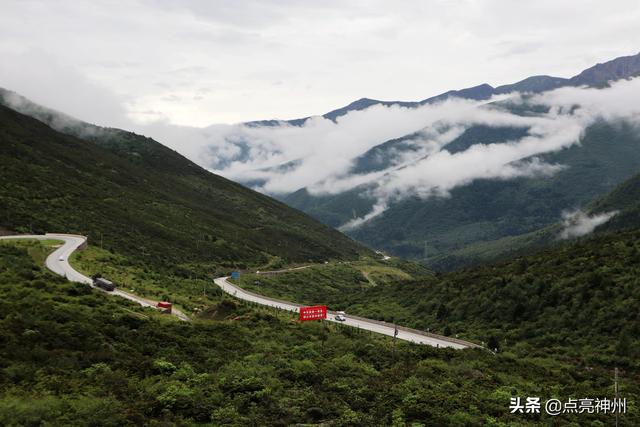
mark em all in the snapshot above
pixel 340 316
pixel 61 258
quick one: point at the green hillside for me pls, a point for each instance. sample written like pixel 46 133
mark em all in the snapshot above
pixel 487 218
pixel 132 195
pixel 577 300
pixel 117 364
pixel 625 199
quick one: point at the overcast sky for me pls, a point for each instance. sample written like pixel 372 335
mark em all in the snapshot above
pixel 199 62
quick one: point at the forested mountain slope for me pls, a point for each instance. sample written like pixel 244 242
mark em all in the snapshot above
pixel 134 195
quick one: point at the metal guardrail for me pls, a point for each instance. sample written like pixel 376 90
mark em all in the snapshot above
pixel 278 301
pixel 418 332
pixel 362 319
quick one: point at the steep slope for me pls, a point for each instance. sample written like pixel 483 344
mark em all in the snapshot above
pixel 436 231
pixel 133 195
pixel 625 200
pixel 493 216
pixel 616 69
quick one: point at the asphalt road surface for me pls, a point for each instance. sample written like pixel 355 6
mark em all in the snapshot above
pixel 58 262
pixel 369 325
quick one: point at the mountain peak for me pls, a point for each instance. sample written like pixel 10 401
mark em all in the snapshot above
pixel 597 76
pixel 600 74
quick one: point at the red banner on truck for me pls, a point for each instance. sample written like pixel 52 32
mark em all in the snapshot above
pixel 316 312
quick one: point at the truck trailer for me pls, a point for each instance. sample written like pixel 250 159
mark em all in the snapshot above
pixel 104 284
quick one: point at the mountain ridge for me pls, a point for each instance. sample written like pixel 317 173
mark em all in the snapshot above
pixel 74 185
pixel 596 76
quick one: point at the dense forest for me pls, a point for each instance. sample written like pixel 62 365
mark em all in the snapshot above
pixel 577 300
pixel 561 320
pixel 70 355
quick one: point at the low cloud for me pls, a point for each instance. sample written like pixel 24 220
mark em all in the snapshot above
pixel 324 149
pixel 43 79
pixel 319 155
pixel 578 223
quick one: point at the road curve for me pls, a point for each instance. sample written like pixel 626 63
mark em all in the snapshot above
pixel 58 262
pixel 405 334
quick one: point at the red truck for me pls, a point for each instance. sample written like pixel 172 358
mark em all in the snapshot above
pixel 164 307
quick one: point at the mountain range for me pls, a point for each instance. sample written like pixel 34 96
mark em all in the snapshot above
pixel 485 218
pixel 568 312
pixel 481 220
pixel 597 76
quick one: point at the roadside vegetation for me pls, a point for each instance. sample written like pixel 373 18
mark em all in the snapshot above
pixel 561 320
pixel 187 286
pixel 575 304
pixel 119 364
pixel 329 284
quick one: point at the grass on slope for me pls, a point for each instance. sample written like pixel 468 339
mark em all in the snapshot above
pixel 189 287
pixel 118 364
pixel 329 284
pixel 577 302
pixel 37 249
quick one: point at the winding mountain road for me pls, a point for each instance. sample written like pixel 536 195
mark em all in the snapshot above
pixel 58 262
pixel 406 334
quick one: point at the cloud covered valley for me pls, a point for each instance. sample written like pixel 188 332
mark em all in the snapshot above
pixel 320 155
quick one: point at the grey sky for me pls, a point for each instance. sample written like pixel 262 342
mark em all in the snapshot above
pixel 198 62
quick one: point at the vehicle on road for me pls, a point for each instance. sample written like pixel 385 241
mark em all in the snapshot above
pixel 61 258
pixel 165 307
pixel 341 316
pixel 102 283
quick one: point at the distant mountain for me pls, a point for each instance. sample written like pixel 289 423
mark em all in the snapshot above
pixel 597 76
pixel 438 231
pixel 144 199
pixel 534 84
pixel 488 218
pixel 600 74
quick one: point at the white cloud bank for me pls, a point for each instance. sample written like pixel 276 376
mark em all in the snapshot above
pixel 319 155
pixel 578 223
